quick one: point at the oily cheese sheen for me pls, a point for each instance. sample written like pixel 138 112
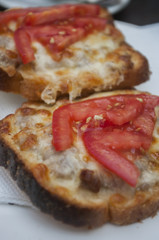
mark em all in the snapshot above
pixel 26 145
pixel 100 61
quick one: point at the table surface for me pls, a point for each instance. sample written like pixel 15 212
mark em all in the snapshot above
pixel 139 12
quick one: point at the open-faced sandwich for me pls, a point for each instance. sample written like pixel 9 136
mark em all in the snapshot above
pixel 48 52
pixel 88 162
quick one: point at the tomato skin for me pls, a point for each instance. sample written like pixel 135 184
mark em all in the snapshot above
pixel 112 160
pixel 23 45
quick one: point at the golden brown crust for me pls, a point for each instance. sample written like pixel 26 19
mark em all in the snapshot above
pixel 10 84
pixel 143 205
pixel 135 68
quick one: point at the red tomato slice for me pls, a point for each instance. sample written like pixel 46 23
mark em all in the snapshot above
pixel 51 30
pixel 62 42
pixel 76 112
pixel 63 12
pixel 151 101
pixel 55 37
pixel 42 31
pixel 124 110
pixel 44 35
pixel 110 141
pixel 62 141
pixel 57 43
pixel 15 14
pixel 90 23
pixel 145 123
pixel 82 110
pixel 23 45
pixel 112 160
pixel 48 31
pixel 119 139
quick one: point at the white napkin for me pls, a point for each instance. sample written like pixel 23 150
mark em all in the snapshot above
pixel 9 191
pixel 144 39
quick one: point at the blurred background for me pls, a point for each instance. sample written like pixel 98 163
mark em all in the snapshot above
pixel 139 12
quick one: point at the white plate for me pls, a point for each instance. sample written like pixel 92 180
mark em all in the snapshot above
pixel 27 224
pixel 29 3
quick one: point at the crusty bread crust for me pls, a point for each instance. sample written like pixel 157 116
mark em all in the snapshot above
pixel 60 209
pixel 118 211
pixel 33 179
pixel 10 84
pixel 125 66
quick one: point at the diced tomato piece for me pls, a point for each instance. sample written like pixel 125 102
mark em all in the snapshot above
pixel 112 160
pixel 23 45
pixel 63 12
pixel 62 124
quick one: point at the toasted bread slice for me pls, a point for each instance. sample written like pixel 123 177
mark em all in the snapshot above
pixel 100 61
pixel 69 184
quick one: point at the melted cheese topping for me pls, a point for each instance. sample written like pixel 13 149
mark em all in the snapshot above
pixel 83 65
pixel 84 59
